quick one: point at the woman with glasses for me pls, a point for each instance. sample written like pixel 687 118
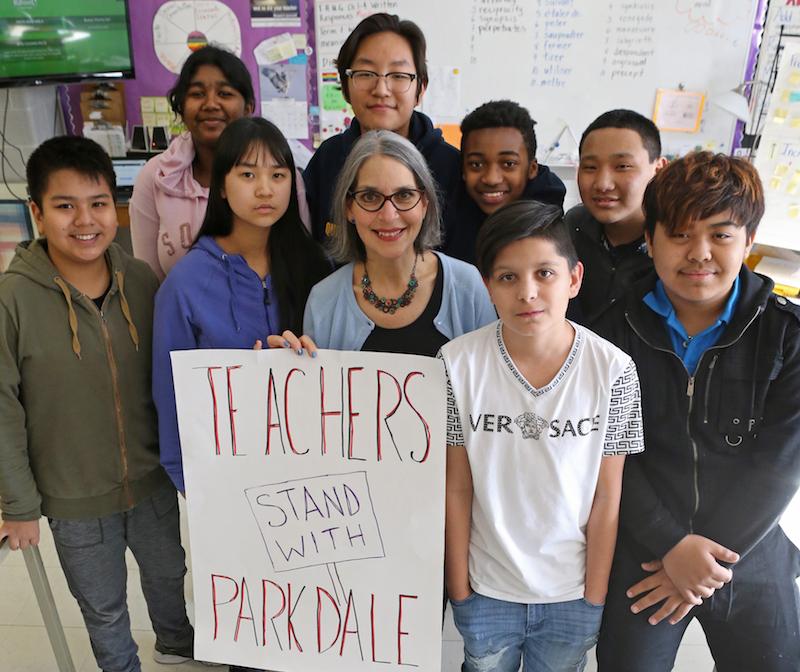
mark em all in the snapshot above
pixel 383 74
pixel 394 294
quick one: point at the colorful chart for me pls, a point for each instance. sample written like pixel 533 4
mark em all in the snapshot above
pixel 181 27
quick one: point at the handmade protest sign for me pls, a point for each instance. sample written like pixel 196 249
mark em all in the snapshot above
pixel 315 493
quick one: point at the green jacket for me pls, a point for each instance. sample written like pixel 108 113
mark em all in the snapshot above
pixel 78 433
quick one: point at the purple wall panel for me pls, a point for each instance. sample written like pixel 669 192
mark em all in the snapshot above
pixel 153 79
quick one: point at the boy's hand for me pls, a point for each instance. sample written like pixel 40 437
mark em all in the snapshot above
pixel 658 588
pixel 20 533
pixel 692 566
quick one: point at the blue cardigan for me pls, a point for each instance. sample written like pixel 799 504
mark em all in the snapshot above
pixel 335 321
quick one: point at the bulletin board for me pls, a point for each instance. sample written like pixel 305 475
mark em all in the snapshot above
pixel 163 33
pixel 568 60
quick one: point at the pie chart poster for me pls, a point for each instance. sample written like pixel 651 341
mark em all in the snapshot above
pixel 315 493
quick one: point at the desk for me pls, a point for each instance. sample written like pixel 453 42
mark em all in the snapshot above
pixel 44 596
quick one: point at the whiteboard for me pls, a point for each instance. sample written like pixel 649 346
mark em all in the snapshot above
pixel 778 157
pixel 567 61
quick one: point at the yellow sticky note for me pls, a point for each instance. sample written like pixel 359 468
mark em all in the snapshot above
pixel 161 105
pixel 794 183
pixel 775 183
pixel 147 104
pixel 794 211
pixel 795 122
pixel 781 169
pixel 794 78
pixel 780 116
pixel 785 96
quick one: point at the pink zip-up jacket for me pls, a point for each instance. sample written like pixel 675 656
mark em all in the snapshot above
pixel 168 206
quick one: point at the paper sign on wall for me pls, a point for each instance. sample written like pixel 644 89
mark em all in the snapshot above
pixel 315 491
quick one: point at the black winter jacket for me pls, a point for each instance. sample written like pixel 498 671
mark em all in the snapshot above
pixel 605 280
pixel 722 447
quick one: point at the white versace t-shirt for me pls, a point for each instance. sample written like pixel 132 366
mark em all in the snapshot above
pixel 535 457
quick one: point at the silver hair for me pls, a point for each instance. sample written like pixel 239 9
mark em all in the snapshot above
pixel 345 245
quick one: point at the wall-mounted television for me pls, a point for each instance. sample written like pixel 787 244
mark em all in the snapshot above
pixel 64 41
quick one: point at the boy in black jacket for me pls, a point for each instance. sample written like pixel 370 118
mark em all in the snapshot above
pixel 718 357
pixel 498 163
pixel 620 151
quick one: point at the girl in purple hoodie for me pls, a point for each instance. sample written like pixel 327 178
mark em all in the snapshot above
pixel 248 274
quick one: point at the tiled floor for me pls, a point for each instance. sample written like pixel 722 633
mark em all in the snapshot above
pixel 24 646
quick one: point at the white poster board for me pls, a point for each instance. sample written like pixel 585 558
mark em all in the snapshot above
pixel 315 492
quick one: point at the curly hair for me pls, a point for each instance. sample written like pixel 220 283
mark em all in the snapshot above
pixel 501 114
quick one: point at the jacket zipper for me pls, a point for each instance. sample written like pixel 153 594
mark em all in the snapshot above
pixel 690 395
pixel 123 446
pixel 267 303
pixel 708 388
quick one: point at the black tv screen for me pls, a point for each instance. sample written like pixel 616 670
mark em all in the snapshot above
pixel 63 41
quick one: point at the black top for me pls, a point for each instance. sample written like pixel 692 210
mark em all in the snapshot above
pixel 99 300
pixel 418 338
pixel 724 462
pixel 608 271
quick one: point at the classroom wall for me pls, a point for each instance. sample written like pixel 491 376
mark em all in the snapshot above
pixel 154 79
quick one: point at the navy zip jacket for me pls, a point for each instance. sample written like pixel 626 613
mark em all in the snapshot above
pixel 722 456
pixel 322 171
pixel 463 217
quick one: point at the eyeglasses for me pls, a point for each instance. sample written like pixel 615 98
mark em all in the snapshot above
pixel 366 80
pixel 372 201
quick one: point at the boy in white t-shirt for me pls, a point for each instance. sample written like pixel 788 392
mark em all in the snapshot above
pixel 541 413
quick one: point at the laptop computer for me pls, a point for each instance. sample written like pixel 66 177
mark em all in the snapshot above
pixel 126 171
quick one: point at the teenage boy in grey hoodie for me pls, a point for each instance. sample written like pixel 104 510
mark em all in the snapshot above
pixel 78 424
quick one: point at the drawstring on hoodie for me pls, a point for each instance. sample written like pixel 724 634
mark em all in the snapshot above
pixel 126 311
pixel 73 318
pixel 234 307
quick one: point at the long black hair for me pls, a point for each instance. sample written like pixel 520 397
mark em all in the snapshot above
pixel 296 262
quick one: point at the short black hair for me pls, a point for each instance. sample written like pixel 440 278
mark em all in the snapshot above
pixel 235 71
pixel 647 130
pixel 501 114
pixel 383 23
pixel 518 221
pixel 68 152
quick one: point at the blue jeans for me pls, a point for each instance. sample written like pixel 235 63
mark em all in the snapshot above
pixel 545 637
pixel 92 554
